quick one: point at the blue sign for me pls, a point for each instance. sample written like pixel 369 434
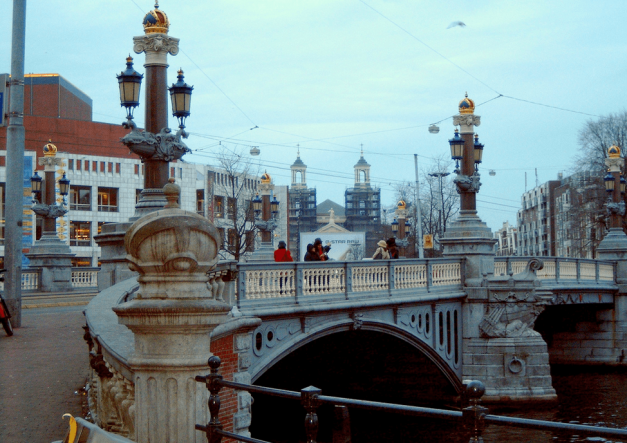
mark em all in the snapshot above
pixel 27 214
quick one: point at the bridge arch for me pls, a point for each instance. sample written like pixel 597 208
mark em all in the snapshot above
pixel 280 352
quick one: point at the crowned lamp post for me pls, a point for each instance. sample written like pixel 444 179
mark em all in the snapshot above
pixel 50 254
pixel 265 211
pixel 467 235
pixel 156 145
pixel 401 226
pixel 614 245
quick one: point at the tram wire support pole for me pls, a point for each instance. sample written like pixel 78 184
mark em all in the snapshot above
pixel 15 166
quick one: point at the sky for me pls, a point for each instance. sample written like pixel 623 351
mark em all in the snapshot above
pixel 333 75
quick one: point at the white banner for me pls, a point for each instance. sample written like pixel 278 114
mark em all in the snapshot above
pixel 345 246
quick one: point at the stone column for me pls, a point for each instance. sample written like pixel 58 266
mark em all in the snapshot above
pixel 171 317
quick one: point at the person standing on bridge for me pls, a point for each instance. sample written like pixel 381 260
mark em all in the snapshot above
pixel 311 254
pixel 382 251
pixel 320 250
pixel 282 254
pixel 392 248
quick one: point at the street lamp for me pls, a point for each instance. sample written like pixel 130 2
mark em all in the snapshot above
pixel 457 148
pixel 615 204
pixel 394 227
pixel 130 84
pixel 51 253
pixel 181 95
pixel 266 211
pixel 156 146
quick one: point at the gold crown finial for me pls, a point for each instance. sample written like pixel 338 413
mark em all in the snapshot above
pixel 156 21
pixel 466 105
pixel 613 151
pixel 401 204
pixel 265 178
pixel 50 150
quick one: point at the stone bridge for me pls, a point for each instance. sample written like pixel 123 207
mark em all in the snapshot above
pixel 485 331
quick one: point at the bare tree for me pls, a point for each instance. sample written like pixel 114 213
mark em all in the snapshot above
pixel 596 137
pixel 438 205
pixel 238 227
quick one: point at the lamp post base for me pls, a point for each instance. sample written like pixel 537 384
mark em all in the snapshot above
pixel 613 246
pixel 471 238
pixel 265 253
pixel 54 258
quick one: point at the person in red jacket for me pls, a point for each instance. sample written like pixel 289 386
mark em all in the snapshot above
pixel 282 254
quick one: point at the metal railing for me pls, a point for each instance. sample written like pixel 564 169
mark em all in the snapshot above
pixel 474 417
pixel 281 283
pixel 560 269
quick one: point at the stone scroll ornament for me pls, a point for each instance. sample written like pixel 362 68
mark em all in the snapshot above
pixel 163 146
pixel 512 313
pixel 465 183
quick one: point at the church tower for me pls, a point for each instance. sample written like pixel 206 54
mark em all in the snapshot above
pixel 302 210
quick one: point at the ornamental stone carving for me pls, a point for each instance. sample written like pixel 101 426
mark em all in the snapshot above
pixel 466 120
pixel 49 211
pixel 465 183
pixel 156 47
pixel 163 146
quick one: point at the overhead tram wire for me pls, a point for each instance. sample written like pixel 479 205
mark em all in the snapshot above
pixel 466 72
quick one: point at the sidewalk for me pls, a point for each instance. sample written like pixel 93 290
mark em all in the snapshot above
pixel 43 369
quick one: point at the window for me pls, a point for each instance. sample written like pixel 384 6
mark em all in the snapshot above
pixel 232 240
pixel 200 201
pixel 80 233
pixel 250 212
pixel 102 167
pixel 218 208
pixel 108 199
pixel 221 243
pixel 250 241
pixel 180 172
pixel 70 164
pixel 78 165
pixel 172 172
pixel 100 227
pixel 94 165
pixel 110 167
pixel 136 169
pixel 118 167
pixel 232 207
pixel 81 262
pixel 80 198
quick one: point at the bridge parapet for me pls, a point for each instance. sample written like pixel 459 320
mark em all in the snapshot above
pixel 294 283
pixel 561 269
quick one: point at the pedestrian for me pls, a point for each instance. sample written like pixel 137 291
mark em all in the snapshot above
pixel 382 251
pixel 282 254
pixel 311 254
pixel 320 250
pixel 392 248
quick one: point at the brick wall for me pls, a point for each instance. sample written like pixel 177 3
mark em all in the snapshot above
pixel 223 348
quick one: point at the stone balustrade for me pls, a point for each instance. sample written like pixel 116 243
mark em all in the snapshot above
pixel 561 270
pixel 81 278
pixel 281 283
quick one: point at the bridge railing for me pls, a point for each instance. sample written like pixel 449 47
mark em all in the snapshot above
pixel 561 269
pixel 296 282
pixel 473 416
pixel 82 277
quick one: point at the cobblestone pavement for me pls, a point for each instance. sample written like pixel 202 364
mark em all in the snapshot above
pixel 43 369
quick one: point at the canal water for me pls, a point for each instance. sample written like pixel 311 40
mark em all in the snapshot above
pixel 592 396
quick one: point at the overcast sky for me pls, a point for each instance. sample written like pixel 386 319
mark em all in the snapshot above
pixel 331 75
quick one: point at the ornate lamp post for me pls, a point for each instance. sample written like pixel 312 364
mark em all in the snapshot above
pixel 614 245
pixel 265 211
pixel 401 227
pixel 156 146
pixel 468 236
pixel 50 253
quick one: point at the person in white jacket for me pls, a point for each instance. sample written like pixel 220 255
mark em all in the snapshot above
pixel 382 251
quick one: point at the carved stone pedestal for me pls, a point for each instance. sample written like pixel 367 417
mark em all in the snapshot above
pixel 54 258
pixel 500 346
pixel 171 317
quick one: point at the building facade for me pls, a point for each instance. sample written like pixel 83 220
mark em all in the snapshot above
pixel 507 238
pixel 536 226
